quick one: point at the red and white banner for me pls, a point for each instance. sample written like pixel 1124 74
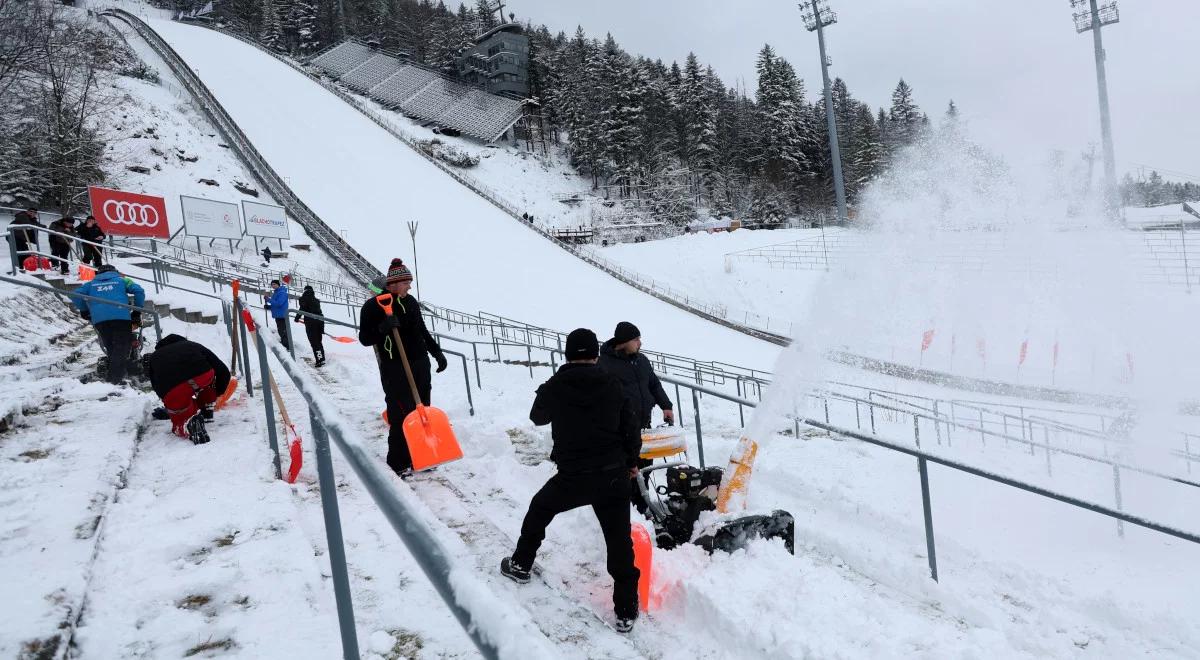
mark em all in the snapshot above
pixel 129 214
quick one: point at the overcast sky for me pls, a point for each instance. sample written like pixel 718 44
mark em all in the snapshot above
pixel 1016 68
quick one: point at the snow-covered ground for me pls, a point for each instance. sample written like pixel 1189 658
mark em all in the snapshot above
pixel 201 550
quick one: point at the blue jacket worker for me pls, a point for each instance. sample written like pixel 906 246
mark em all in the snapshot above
pixel 112 323
pixel 278 304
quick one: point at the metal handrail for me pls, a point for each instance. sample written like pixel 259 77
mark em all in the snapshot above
pixel 473 604
pixel 60 292
pixel 924 457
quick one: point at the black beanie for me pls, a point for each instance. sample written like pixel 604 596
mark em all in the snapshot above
pixel 625 331
pixel 582 345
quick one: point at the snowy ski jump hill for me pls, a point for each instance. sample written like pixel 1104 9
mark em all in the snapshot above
pixel 470 255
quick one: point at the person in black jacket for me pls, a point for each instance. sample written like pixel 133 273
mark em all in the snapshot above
pixel 621 357
pixel 24 237
pixel 313 327
pixel 60 246
pixel 91 231
pixel 375 329
pixel 188 378
pixel 596 445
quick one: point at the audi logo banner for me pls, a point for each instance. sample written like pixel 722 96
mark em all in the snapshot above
pixel 265 220
pixel 210 218
pixel 121 213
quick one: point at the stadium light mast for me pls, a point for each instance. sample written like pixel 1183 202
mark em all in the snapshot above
pixel 817 16
pixel 1092 17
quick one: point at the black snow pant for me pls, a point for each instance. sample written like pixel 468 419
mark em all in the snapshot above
pixel 282 326
pixel 62 253
pixel 92 255
pixel 116 337
pixel 398 396
pixel 22 246
pixel 315 331
pixel 608 494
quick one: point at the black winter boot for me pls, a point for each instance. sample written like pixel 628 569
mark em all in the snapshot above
pixel 514 571
pixel 196 431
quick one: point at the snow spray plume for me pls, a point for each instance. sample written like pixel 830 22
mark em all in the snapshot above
pixel 955 250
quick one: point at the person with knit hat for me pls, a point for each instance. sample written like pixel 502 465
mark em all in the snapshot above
pixel 596 446
pixel 375 329
pixel 621 356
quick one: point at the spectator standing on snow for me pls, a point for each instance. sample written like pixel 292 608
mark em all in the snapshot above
pixel 188 378
pixel 621 356
pixel 266 255
pixel 25 237
pixel 313 327
pixel 91 231
pixel 112 323
pixel 278 304
pixel 375 329
pixel 596 446
pixel 60 246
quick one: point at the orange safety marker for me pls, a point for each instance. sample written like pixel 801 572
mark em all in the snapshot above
pixel 643 558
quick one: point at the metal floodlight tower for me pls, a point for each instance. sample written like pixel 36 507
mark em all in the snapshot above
pixel 1092 17
pixel 817 16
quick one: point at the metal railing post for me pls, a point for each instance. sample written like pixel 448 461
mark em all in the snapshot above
pixel 923 470
pixel 1046 437
pixel 699 431
pixel 916 430
pixel 475 356
pixel 291 344
pixel 1117 497
pixel 333 537
pixel 268 404
pixel 12 252
pixel 241 329
pixel 680 401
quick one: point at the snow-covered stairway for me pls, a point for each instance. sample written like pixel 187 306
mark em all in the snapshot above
pixel 64 449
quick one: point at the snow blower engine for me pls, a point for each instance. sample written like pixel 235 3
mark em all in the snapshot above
pixel 675 505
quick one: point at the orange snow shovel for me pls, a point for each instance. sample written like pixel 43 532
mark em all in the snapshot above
pixel 233 381
pixel 427 429
pixel 342 340
pixel 295 454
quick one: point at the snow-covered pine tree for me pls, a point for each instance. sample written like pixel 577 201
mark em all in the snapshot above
pixel 270 32
pixel 697 109
pixel 867 150
pixel 781 107
pixel 620 87
pixel 904 119
pixel 485 15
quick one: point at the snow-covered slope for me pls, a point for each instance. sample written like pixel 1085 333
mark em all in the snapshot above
pixel 470 255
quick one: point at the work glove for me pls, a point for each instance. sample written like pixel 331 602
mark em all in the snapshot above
pixel 441 362
pixel 86 314
pixel 389 322
pixel 299 319
pixel 136 318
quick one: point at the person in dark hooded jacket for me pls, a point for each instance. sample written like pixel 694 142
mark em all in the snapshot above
pixel 621 356
pixel 188 378
pixel 24 237
pixel 91 231
pixel 60 246
pixel 596 446
pixel 313 327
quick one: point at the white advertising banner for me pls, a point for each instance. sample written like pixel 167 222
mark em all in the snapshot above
pixel 210 218
pixel 265 220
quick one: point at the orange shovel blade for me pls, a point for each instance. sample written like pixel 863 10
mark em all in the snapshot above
pixel 343 340
pixel 430 438
pixel 227 394
pixel 643 558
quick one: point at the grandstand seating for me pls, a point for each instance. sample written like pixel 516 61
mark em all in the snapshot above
pixel 342 58
pixel 401 86
pixel 419 92
pixel 372 72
